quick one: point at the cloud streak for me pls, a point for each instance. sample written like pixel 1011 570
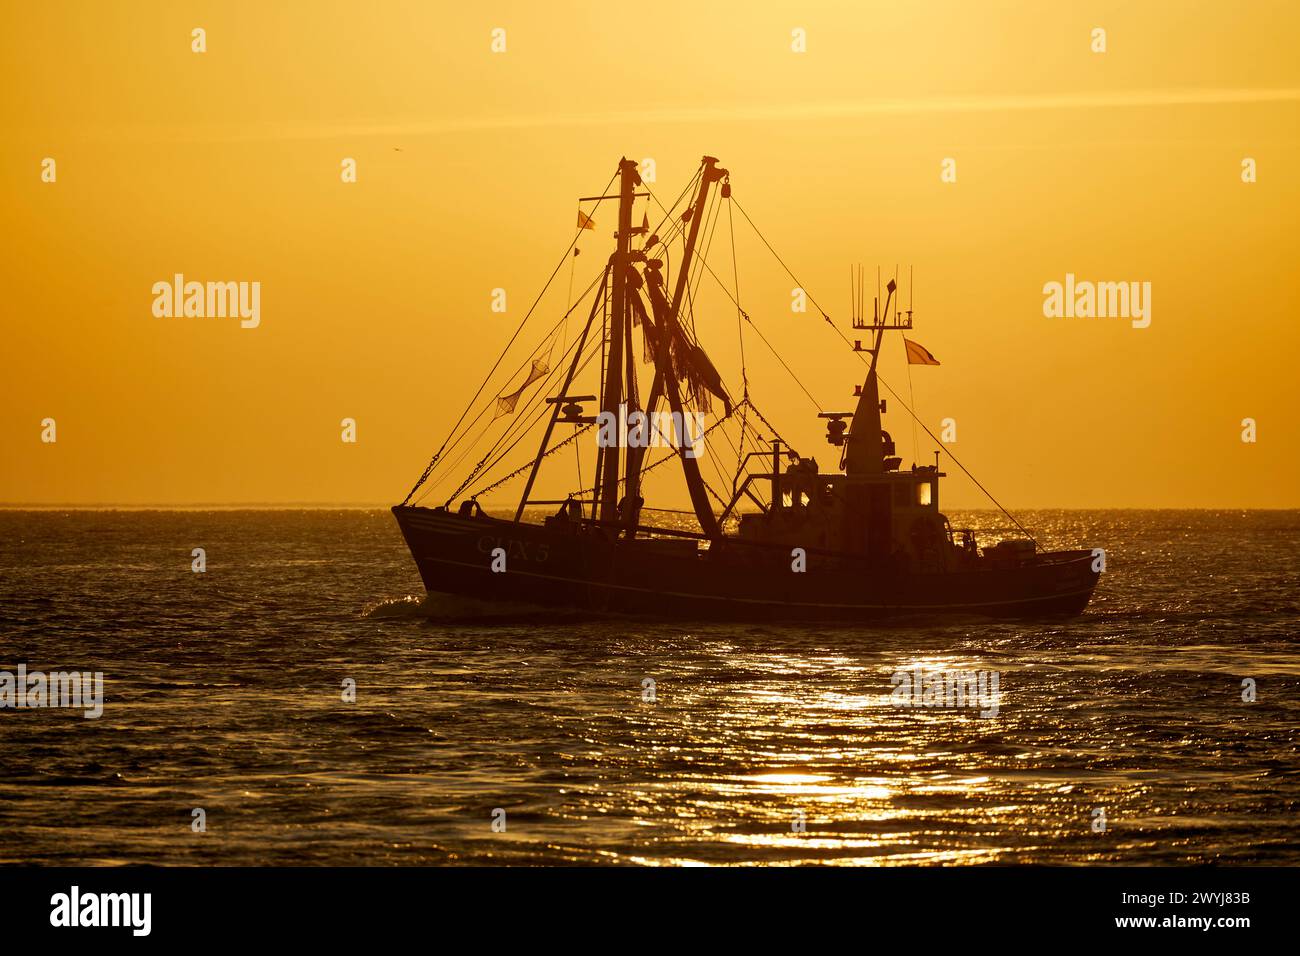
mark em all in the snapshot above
pixel 290 129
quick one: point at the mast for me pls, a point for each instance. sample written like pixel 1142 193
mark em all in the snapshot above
pixel 666 314
pixel 864 448
pixel 612 391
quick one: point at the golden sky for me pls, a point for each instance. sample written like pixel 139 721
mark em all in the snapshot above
pixel 375 296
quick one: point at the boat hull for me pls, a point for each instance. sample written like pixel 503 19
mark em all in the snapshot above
pixel 583 568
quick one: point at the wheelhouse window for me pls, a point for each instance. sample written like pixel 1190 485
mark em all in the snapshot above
pixel 924 495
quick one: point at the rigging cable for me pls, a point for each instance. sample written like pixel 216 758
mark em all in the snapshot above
pixel 740 334
pixel 434 460
pixel 911 393
pixel 525 467
pixel 897 397
pixel 673 453
pixel 522 424
pixel 704 263
pixel 484 467
pixel 486 408
pixel 518 424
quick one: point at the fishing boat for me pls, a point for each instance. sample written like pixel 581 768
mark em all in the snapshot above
pixel 778 538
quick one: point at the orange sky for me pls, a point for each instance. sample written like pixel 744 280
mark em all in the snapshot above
pixel 224 166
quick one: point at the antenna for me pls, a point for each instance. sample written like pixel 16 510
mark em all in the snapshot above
pixel 858 293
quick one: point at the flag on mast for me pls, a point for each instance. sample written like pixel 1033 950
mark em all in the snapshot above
pixel 918 354
pixel 585 221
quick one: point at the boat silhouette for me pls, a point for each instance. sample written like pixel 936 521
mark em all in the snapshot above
pixel 786 541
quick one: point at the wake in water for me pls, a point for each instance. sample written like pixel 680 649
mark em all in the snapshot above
pixel 451 608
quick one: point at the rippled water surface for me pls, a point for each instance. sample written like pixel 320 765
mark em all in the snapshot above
pixel 224 691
